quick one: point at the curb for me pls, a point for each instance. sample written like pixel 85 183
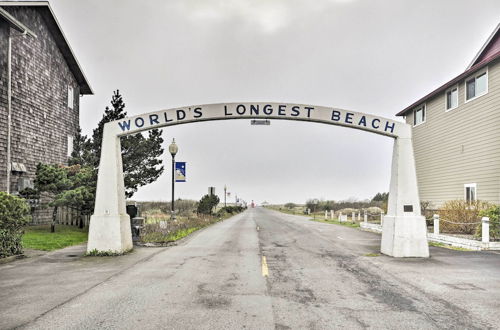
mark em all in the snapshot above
pixel 12 258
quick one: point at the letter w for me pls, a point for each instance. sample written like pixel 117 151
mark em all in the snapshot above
pixel 125 125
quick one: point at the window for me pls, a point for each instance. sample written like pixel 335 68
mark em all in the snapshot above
pixel 470 192
pixel 452 98
pixel 476 85
pixel 70 97
pixel 70 145
pixel 419 115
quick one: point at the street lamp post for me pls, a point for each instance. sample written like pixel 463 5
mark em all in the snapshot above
pixel 225 188
pixel 172 148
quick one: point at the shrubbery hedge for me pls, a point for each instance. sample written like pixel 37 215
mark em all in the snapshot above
pixel 494 214
pixel 460 216
pixel 14 214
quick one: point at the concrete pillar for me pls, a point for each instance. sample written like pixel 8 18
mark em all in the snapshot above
pixel 359 216
pixel 485 230
pixel 340 216
pixel 353 218
pixel 109 229
pixel 332 214
pixel 404 232
pixel 382 218
pixel 365 217
pixel 326 215
pixel 436 224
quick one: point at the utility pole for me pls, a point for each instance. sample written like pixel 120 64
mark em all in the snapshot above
pixel 225 188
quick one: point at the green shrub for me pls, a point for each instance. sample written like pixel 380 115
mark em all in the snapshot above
pixel 494 214
pixel 14 214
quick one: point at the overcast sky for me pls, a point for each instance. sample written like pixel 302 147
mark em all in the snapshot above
pixel 364 55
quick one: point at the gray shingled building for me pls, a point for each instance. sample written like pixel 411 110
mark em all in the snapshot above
pixel 40 85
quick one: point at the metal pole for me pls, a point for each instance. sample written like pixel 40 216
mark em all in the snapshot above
pixel 173 185
pixel 225 195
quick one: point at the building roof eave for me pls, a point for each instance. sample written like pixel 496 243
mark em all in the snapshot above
pixel 449 84
pixel 50 19
pixel 15 24
pixel 480 52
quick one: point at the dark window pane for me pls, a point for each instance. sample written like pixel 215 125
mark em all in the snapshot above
pixel 471 89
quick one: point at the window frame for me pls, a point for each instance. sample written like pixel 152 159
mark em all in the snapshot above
pixel 423 106
pixel 457 87
pixel 475 76
pixel 71 97
pixel 470 185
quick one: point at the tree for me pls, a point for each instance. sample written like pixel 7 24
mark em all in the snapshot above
pixel 290 205
pixel 81 194
pixel 141 155
pixel 207 203
pixel 71 186
pixel 52 180
pixel 380 197
pixel 82 151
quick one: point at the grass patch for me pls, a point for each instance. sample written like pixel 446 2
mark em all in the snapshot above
pixel 446 246
pixel 40 237
pixel 334 222
pixel 372 255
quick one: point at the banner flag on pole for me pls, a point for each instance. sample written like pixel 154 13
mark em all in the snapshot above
pixel 180 171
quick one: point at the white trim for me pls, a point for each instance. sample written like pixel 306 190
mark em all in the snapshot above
pixel 470 185
pixel 446 97
pixel 475 75
pixel 424 106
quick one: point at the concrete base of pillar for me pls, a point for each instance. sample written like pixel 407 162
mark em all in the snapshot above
pixel 404 236
pixel 110 233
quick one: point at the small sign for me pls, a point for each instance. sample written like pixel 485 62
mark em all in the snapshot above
pixel 408 208
pixel 260 122
pixel 180 171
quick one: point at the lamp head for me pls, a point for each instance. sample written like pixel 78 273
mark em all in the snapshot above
pixel 172 148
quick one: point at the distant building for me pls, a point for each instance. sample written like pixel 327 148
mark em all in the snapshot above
pixel 40 85
pixel 456 132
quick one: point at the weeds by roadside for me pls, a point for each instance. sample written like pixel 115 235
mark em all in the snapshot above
pixel 334 222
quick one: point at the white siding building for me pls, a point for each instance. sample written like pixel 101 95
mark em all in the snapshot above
pixel 456 132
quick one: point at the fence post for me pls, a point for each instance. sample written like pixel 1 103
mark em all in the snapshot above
pixel 366 217
pixel 326 215
pixel 436 224
pixel 353 218
pixel 485 230
pixel 332 214
pixel 340 216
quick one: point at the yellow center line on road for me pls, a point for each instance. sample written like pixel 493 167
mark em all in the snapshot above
pixel 265 270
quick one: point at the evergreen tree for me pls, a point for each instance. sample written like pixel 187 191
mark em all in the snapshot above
pixel 82 150
pixel 207 203
pixel 141 155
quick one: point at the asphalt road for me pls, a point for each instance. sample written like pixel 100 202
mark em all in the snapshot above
pixel 265 270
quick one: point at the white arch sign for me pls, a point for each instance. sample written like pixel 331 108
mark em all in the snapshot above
pixel 404 232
